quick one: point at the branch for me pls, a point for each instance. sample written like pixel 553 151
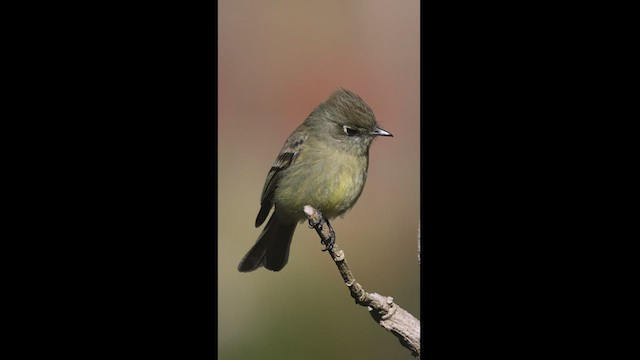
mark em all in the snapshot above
pixel 382 309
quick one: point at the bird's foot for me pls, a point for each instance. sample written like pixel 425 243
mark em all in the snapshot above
pixel 331 240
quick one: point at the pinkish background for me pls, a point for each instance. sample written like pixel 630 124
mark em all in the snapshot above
pixel 277 61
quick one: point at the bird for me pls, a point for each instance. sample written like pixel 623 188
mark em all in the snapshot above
pixel 323 163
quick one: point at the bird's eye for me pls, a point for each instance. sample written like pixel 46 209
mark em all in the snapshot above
pixel 349 130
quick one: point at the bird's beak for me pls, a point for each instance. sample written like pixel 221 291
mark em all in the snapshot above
pixel 380 132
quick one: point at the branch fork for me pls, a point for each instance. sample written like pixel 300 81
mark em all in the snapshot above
pixel 381 308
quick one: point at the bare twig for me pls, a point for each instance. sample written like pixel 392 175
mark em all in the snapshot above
pixel 382 308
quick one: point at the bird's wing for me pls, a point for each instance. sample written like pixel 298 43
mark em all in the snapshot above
pixel 287 156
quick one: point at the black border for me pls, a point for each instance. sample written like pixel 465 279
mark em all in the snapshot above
pixel 129 204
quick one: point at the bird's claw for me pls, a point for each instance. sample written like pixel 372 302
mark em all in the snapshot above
pixel 332 235
pixel 331 240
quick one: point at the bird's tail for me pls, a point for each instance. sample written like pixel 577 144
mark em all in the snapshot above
pixel 272 248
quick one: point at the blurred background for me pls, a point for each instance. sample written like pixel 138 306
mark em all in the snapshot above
pixel 278 60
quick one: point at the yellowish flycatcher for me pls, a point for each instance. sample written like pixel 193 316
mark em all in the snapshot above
pixel 324 164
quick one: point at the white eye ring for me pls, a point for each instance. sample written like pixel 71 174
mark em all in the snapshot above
pixel 349 131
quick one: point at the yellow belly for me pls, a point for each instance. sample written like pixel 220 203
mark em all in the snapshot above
pixel 331 188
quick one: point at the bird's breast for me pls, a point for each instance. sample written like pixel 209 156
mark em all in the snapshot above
pixel 332 183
